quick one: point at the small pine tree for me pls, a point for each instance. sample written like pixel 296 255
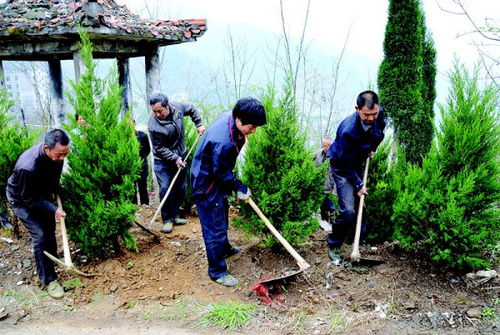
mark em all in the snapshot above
pixel 15 140
pixel 104 163
pixel 448 208
pixel 280 171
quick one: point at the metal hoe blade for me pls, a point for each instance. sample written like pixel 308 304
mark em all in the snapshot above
pixel 303 265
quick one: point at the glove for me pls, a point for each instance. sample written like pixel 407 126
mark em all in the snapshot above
pixel 244 196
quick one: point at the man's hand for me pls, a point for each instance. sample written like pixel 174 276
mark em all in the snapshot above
pixel 201 129
pixel 371 154
pixel 362 191
pixel 59 213
pixel 244 196
pixel 180 163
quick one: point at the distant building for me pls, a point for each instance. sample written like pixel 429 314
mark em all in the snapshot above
pixel 27 86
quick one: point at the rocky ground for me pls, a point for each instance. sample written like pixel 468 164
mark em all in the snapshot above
pixel 165 289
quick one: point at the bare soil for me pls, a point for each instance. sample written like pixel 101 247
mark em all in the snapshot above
pixel 165 289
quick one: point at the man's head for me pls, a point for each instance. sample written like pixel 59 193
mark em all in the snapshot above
pixel 248 114
pixel 326 143
pixel 367 106
pixel 159 105
pixel 80 120
pixel 56 144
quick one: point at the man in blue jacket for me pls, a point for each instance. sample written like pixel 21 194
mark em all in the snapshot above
pixel 166 128
pixel 213 180
pixel 358 137
pixel 30 190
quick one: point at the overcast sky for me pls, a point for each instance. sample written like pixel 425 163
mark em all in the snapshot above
pixel 330 21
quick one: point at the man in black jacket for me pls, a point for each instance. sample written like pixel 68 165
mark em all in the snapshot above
pixel 30 190
pixel 358 137
pixel 166 128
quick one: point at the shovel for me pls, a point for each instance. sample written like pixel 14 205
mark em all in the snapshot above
pixel 355 254
pixel 172 183
pixel 68 264
pixel 303 265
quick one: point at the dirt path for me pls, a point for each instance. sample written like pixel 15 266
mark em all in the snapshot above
pixel 165 289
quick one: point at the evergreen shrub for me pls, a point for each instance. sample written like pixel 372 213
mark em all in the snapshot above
pixel 14 140
pixel 382 186
pixel 104 163
pixel 281 173
pixel 448 208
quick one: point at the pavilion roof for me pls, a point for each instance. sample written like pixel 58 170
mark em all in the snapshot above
pixel 25 21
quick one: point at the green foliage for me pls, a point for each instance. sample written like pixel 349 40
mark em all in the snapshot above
pixel 228 315
pixel 382 189
pixel 281 174
pixel 104 163
pixel 448 208
pixel 406 78
pixel 15 140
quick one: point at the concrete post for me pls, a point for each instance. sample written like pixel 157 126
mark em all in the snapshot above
pixel 56 92
pixel 152 62
pixel 78 64
pixel 124 81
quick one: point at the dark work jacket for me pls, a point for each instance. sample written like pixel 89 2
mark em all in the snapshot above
pixel 34 181
pixel 167 135
pixel 144 148
pixel 214 160
pixel 353 144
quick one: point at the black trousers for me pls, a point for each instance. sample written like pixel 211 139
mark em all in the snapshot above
pixel 42 227
pixel 142 185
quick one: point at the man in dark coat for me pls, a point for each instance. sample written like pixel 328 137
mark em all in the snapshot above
pixel 30 190
pixel 358 137
pixel 213 180
pixel 144 150
pixel 320 157
pixel 166 128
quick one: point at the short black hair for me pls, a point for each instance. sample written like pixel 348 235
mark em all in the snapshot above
pixel 250 111
pixel 76 116
pixel 158 97
pixel 368 99
pixel 55 136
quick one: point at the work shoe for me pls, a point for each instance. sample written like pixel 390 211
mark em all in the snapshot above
pixel 55 290
pixel 227 280
pixel 180 221
pixel 167 226
pixel 233 251
pixel 334 254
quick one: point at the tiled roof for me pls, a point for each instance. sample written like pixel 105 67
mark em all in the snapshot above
pixel 28 19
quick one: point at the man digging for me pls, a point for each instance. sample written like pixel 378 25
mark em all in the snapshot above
pixel 358 137
pixel 213 180
pixel 30 190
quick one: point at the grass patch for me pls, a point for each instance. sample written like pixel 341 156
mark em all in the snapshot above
pixel 12 293
pixel 228 315
pixel 72 283
pixel 131 304
pixel 6 232
pixel 178 311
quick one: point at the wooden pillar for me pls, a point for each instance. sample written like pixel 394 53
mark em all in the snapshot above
pixel 56 92
pixel 152 62
pixel 124 81
pixel 78 64
pixel 2 75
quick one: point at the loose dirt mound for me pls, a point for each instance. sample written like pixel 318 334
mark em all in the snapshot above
pixel 399 296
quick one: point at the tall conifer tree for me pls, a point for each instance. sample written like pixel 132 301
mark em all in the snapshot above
pixel 104 163
pixel 406 78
